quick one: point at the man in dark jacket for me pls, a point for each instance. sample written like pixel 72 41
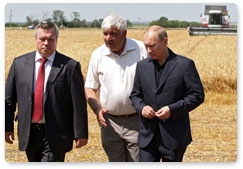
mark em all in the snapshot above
pixel 59 98
pixel 166 88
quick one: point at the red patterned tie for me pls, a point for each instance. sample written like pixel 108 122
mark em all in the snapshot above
pixel 39 92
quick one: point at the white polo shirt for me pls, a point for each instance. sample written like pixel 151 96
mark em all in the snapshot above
pixel 113 75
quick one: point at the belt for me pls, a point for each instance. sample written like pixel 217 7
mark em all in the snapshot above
pixel 37 126
pixel 124 115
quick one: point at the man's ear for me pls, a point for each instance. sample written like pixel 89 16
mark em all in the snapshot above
pixel 124 32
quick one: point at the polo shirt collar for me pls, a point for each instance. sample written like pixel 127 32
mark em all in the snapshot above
pixel 129 45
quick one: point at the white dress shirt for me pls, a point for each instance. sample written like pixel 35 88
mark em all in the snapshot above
pixel 48 65
pixel 112 75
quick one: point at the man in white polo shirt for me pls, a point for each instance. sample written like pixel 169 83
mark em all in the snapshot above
pixel 108 86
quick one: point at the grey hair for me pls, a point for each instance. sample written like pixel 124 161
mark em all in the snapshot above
pixel 113 20
pixel 47 25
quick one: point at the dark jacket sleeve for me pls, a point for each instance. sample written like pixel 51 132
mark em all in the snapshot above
pixel 136 94
pixel 194 95
pixel 10 100
pixel 79 103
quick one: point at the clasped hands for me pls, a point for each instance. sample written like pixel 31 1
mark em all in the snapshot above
pixel 163 113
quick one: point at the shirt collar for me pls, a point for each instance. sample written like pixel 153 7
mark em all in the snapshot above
pixel 129 45
pixel 50 58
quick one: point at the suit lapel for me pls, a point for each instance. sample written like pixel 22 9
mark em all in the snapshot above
pixel 170 65
pixel 29 65
pixel 56 68
pixel 151 74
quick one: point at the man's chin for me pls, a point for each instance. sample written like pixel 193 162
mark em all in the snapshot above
pixel 45 53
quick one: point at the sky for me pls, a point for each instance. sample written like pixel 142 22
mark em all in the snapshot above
pixel 141 12
pixel 172 9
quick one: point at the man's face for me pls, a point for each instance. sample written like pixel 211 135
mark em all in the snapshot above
pixel 114 39
pixel 156 48
pixel 46 41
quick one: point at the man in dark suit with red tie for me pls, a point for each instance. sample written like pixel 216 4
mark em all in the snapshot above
pixel 49 94
pixel 166 88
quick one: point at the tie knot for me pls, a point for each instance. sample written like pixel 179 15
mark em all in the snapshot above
pixel 43 60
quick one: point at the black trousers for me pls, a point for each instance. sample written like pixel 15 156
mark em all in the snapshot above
pixel 38 149
pixel 156 151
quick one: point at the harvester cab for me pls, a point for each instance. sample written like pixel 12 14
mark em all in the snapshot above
pixel 215 21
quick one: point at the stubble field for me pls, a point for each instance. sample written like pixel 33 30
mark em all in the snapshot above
pixel 213 124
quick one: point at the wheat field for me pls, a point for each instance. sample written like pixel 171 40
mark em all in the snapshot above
pixel 213 124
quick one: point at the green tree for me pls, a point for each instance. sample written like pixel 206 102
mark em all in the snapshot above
pixel 129 24
pixel 96 23
pixel 59 18
pixel 166 23
pixel 76 19
pixel 29 21
pixel 163 21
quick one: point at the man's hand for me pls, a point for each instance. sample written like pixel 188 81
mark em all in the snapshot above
pixel 9 137
pixel 101 118
pixel 148 112
pixel 81 142
pixel 163 113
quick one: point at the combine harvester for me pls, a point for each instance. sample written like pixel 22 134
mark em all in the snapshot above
pixel 215 21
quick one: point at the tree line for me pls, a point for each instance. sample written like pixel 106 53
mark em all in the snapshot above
pixel 59 18
pixel 166 23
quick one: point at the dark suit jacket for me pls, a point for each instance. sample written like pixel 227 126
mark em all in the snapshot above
pixel 180 88
pixel 65 105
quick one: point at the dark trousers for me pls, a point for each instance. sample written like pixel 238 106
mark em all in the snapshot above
pixel 38 149
pixel 156 151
